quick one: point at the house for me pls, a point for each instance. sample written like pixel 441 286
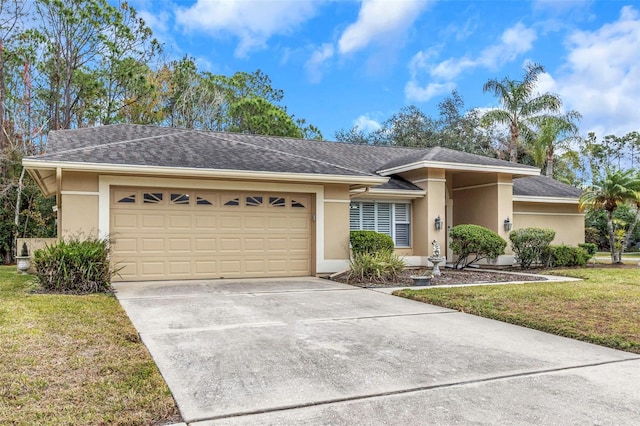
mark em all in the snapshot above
pixel 183 204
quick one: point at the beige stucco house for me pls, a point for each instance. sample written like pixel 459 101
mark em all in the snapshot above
pixel 182 204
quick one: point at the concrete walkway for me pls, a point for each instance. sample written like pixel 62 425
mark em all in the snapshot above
pixel 310 351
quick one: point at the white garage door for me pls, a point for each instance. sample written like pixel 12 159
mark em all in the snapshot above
pixel 165 234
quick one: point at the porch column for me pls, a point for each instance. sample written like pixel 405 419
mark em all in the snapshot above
pixel 437 201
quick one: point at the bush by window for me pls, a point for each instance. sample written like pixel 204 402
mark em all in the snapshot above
pixel 370 242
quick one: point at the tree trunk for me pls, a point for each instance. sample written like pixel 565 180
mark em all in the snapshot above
pixel 612 238
pixel 16 217
pixel 549 172
pixel 513 148
pixel 627 236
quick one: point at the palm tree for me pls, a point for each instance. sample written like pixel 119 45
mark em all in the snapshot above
pixel 555 131
pixel 522 106
pixel 615 188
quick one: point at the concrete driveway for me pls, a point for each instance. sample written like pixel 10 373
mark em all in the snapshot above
pixel 311 351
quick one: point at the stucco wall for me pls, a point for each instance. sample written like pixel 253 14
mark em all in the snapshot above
pixel 79 215
pixel 79 181
pixel 336 222
pixel 565 219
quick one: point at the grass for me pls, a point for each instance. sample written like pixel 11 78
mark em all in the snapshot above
pixel 604 309
pixel 74 360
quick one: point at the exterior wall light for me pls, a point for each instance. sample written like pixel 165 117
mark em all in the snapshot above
pixel 438 223
pixel 508 224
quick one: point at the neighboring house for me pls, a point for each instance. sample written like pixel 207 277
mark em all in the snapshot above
pixel 196 204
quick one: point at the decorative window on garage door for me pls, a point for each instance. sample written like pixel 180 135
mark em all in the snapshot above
pixel 393 219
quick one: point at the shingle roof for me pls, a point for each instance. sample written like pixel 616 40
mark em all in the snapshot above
pixel 446 155
pixel 127 144
pixel 144 145
pixel 396 182
pixel 542 186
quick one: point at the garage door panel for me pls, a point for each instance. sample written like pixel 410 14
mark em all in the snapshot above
pixel 230 223
pixel 125 246
pixel 278 244
pixel 155 221
pixel 153 245
pixel 152 268
pixel 299 265
pixel 205 221
pixel 128 270
pixel 254 222
pixel 230 267
pixel 254 266
pixel 254 245
pixel 180 245
pixel 298 224
pixel 299 244
pixel 179 268
pixel 206 245
pixel 230 245
pixel 186 234
pixel 205 267
pixel 125 221
pixel 182 221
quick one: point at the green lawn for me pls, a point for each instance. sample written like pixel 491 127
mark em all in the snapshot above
pixel 604 309
pixel 74 360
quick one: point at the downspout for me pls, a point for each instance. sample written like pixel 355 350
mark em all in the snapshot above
pixel 359 194
pixel 59 202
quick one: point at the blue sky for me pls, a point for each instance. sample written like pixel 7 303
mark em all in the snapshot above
pixel 342 63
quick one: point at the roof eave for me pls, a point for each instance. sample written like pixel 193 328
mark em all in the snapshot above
pixel 519 171
pixel 541 199
pixel 391 193
pixel 366 180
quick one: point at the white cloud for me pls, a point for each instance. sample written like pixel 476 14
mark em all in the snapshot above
pixel 514 41
pixel 366 124
pixel 317 60
pixel 252 21
pixel 379 20
pixel 601 78
pixel 415 92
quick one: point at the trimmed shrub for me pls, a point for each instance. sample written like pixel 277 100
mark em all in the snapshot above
pixel 383 265
pixel 74 266
pixel 568 256
pixel 589 248
pixel 370 242
pixel 530 245
pixel 467 240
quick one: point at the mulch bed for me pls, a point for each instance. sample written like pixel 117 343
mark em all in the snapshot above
pixel 448 277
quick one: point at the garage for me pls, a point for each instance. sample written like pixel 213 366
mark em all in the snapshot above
pixel 169 233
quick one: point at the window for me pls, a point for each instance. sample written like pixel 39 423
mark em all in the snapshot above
pixel 179 198
pixel 203 201
pixel 253 201
pixel 233 202
pixel 393 219
pixel 128 199
pixel 277 202
pixel 152 197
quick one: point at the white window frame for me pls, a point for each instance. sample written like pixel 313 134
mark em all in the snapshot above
pixel 394 221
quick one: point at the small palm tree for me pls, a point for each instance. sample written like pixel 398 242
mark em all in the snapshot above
pixel 522 107
pixel 615 188
pixel 555 131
